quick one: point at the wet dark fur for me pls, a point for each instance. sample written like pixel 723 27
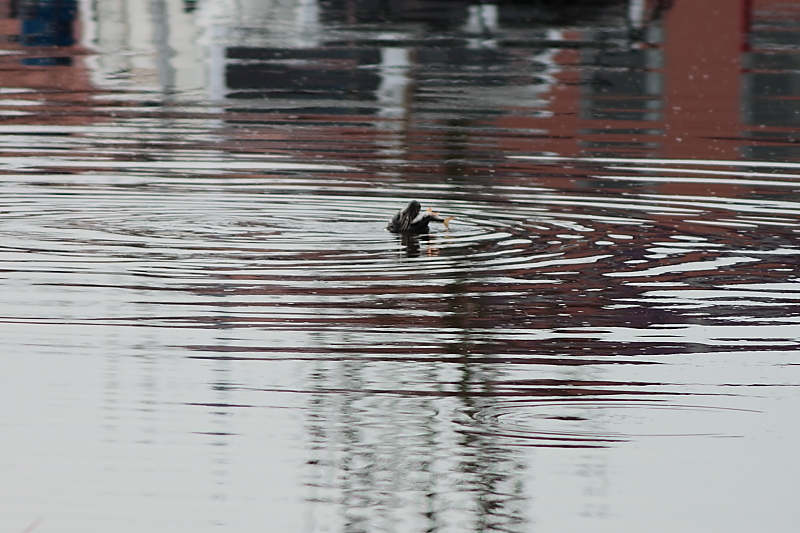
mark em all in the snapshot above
pixel 409 220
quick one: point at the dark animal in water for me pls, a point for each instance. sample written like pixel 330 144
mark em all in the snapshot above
pixel 409 219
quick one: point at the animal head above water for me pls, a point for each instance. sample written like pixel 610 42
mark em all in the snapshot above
pixel 404 218
pixel 412 209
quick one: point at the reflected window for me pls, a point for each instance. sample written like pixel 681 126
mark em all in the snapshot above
pixel 624 85
pixel 770 86
pixel 46 22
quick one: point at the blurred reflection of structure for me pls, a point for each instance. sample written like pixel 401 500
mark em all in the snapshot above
pixel 456 13
pixel 771 83
pixel 48 30
pixel 151 45
pixel 292 57
pixel 394 460
pixel 45 23
pixel 633 91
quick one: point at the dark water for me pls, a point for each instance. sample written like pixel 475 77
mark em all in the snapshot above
pixel 206 326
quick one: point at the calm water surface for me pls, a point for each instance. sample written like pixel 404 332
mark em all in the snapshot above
pixel 206 326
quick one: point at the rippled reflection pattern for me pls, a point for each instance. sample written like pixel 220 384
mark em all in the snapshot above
pixel 207 326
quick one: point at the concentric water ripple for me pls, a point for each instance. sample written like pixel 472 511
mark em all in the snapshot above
pixel 588 422
pixel 517 245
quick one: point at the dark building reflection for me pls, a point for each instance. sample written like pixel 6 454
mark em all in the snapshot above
pixel 770 87
pixel 46 23
pixel 514 53
pixel 450 13
pixel 610 77
pixel 42 39
pixel 623 89
pixel 256 73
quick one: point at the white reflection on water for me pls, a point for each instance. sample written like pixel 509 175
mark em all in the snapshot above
pixel 660 161
pixel 208 166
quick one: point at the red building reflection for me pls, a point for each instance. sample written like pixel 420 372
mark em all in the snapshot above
pixel 709 90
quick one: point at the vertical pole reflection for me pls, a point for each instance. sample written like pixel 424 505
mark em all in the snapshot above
pixel 220 420
pixel 388 454
pixel 148 46
pixel 492 472
pixel 165 53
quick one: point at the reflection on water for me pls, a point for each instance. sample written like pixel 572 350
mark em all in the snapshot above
pixel 207 325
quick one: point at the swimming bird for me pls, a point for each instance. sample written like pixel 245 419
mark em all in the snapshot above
pixel 409 219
